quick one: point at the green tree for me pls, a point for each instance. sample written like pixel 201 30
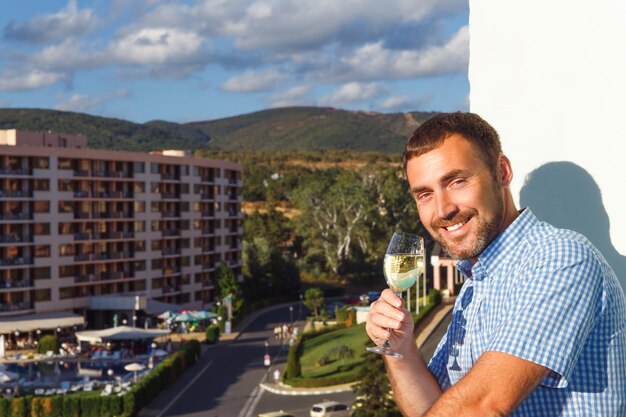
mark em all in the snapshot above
pixel 314 299
pixel 336 213
pixel 373 392
pixel 227 285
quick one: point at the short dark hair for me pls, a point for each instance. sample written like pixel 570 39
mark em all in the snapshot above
pixel 431 134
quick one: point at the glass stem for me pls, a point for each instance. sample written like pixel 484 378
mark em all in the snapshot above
pixel 399 295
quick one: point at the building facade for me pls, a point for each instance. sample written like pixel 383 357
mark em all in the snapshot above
pixel 78 225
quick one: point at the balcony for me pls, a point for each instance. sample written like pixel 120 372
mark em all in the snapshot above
pixel 170 232
pixel 21 306
pixel 208 231
pixel 208 248
pixel 166 214
pixel 210 213
pixel 207 178
pixel 16 239
pixel 16 171
pixel 4 284
pixel 16 216
pixel 16 262
pixel 16 194
pixel 170 270
pixel 170 251
pixel 170 196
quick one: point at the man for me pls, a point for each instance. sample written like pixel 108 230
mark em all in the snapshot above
pixel 539 327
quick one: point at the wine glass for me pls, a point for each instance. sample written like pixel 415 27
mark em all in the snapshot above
pixel 404 263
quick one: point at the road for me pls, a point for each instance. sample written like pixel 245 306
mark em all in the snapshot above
pixel 225 382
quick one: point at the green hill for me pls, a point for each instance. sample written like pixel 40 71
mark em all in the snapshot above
pixel 312 128
pixel 291 128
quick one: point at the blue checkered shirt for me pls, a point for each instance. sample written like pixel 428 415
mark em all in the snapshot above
pixel 548 296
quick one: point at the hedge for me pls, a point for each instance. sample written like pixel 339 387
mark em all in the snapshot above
pixel 48 343
pixel 212 334
pixel 92 404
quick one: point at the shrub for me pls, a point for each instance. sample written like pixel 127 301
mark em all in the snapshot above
pixel 294 369
pixel 212 334
pixel 47 343
pixel 335 353
pixel 434 296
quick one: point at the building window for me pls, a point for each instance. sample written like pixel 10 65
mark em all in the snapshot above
pixel 42 229
pixel 66 292
pixel 42 273
pixel 139 187
pixel 154 168
pixel 139 226
pixel 65 163
pixel 42 206
pixel 139 206
pixel 138 167
pixel 66 207
pixel 66 250
pixel 42 251
pixel 42 163
pixel 41 185
pixel 43 295
pixel 65 185
pixel 67 271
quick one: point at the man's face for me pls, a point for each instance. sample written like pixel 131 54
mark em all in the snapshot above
pixel 459 201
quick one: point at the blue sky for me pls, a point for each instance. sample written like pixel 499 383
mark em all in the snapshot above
pixel 183 61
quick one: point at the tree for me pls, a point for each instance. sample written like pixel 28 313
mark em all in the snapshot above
pixel 336 211
pixel 227 285
pixel 314 299
pixel 373 392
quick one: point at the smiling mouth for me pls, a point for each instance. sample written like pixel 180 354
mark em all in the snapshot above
pixel 456 226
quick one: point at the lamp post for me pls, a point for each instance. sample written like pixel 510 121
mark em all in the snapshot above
pixel 267 360
pixel 291 315
pixel 300 313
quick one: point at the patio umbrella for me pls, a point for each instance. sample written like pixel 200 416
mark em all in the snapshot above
pixel 159 352
pixel 203 315
pixel 167 315
pixel 6 376
pixel 184 317
pixel 135 367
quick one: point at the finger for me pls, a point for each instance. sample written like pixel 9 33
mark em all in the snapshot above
pixel 391 298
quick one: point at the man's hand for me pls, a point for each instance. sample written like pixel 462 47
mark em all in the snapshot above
pixel 388 313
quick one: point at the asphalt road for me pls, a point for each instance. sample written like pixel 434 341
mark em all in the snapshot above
pixel 225 382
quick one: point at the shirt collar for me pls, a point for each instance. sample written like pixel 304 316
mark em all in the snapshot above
pixel 510 237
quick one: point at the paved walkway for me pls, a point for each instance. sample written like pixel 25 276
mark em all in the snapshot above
pixel 424 331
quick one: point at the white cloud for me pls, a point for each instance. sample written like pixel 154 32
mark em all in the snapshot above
pixel 84 103
pixel 67 56
pixel 66 23
pixel 351 93
pixel 156 46
pixel 374 62
pixel 253 81
pixel 400 103
pixel 28 80
pixel 294 96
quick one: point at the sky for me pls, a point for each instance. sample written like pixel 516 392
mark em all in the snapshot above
pixel 183 61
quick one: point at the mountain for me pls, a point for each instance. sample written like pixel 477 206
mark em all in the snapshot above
pixel 290 128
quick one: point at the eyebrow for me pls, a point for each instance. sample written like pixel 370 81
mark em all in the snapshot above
pixel 443 180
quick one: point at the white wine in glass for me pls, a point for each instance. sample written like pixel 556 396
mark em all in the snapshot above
pixel 403 264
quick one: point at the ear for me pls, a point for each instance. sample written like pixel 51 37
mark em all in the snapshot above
pixel 505 172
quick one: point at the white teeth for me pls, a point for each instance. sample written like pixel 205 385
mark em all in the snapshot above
pixel 454 227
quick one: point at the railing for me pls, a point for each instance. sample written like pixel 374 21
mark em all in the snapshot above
pixel 16 261
pixel 16 239
pixel 18 216
pixel 170 232
pixel 16 171
pixel 15 284
pixel 210 213
pixel 25 305
pixel 17 194
pixel 170 251
pixel 169 214
pixel 208 248
pixel 208 231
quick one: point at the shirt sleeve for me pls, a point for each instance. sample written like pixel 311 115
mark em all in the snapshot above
pixel 553 309
pixel 438 365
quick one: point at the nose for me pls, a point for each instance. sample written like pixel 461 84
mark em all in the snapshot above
pixel 446 209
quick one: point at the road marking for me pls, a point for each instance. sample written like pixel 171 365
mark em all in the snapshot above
pixel 185 389
pixel 251 403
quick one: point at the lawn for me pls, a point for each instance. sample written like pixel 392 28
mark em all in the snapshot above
pixel 354 338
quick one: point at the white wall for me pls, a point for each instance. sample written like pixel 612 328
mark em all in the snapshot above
pixel 550 76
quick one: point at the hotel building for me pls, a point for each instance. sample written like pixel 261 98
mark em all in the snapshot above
pixel 83 229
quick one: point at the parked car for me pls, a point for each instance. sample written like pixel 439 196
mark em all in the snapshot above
pixel 330 409
pixel 331 308
pixel 370 297
pixel 276 414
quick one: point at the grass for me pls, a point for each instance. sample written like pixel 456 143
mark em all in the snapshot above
pixel 354 337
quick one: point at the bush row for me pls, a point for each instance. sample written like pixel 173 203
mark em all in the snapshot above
pixel 92 404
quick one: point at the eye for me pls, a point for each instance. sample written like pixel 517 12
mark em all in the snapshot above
pixel 421 197
pixel 458 182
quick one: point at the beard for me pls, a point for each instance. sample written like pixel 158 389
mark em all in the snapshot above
pixel 487 229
